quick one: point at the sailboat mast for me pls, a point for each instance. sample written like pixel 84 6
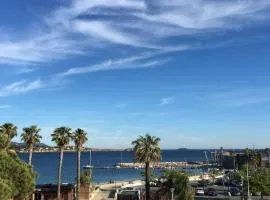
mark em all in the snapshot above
pixel 90 157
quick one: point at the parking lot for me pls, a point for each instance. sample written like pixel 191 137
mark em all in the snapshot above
pixel 222 194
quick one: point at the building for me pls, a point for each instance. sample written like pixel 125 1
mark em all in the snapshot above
pixel 49 192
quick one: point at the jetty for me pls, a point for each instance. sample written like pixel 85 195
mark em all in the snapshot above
pixel 164 165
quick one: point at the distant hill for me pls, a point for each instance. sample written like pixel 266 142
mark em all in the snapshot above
pixel 23 145
pixel 182 149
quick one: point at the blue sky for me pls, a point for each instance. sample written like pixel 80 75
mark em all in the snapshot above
pixel 193 72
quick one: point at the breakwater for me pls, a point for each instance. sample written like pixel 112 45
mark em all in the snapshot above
pixel 164 165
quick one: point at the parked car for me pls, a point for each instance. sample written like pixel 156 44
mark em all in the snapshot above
pixel 211 192
pixel 199 191
pixel 235 191
pixel 219 181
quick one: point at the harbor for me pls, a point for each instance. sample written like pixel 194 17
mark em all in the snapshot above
pixel 163 165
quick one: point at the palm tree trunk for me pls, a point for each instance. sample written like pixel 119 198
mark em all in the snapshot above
pixel 147 184
pixel 60 173
pixel 78 172
pixel 30 154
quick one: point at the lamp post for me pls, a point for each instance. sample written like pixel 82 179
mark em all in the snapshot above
pixel 248 194
pixel 172 191
pixel 242 186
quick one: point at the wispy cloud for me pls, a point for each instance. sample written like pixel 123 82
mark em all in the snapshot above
pixel 5 106
pixel 166 101
pixel 242 97
pixel 70 29
pixel 20 87
pixel 25 70
pixel 203 15
pixel 133 62
pixel 121 105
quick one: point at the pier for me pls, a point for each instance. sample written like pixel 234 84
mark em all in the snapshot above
pixel 164 165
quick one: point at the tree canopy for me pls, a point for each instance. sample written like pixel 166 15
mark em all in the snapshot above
pixel 179 181
pixel 17 179
pixel 31 135
pixel 147 149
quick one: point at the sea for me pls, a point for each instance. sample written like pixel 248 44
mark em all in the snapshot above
pixel 46 164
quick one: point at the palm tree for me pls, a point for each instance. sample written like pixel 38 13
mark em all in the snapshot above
pixel 79 137
pixel 147 150
pixel 7 132
pixel 61 136
pixel 31 136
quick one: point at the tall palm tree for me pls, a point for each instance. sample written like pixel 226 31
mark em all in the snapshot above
pixel 61 136
pixel 79 137
pixel 147 150
pixel 7 132
pixel 31 136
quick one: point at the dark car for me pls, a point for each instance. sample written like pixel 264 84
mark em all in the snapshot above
pixel 219 181
pixel 211 192
pixel 235 191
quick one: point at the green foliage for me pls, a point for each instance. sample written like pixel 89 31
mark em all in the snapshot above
pixel 79 137
pixel 86 177
pixel 152 175
pixel 31 135
pixel 179 181
pixel 17 179
pixel 147 149
pixel 61 136
pixel 7 132
pixel 214 173
pixel 259 179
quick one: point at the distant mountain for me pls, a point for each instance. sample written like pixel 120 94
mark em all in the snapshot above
pixel 182 149
pixel 23 145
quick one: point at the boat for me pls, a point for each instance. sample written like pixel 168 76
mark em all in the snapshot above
pixel 90 162
pixel 88 167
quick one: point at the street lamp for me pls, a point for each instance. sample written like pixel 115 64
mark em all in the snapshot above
pixel 172 191
pixel 248 194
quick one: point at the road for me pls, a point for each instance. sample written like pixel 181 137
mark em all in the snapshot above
pixel 221 190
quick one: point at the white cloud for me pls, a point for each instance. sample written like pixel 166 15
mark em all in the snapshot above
pixel 36 49
pixel 133 62
pixel 166 101
pixel 135 23
pixel 202 14
pixel 103 31
pixel 20 87
pixel 5 106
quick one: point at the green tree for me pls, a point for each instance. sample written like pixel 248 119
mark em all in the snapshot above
pixel 31 136
pixel 86 177
pixel 7 132
pixel 61 136
pixel 179 181
pixel 79 137
pixel 260 181
pixel 213 174
pixel 147 150
pixel 17 179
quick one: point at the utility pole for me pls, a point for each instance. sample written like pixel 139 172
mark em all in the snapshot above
pixel 172 191
pixel 248 194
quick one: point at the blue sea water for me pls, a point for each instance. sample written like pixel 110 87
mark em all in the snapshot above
pixel 45 164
